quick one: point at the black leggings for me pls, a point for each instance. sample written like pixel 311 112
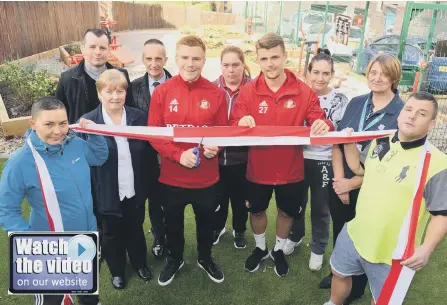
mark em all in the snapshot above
pixel 232 186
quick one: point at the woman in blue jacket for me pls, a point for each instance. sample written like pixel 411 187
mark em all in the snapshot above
pixel 68 159
pixel 120 185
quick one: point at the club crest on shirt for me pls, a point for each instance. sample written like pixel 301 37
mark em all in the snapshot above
pixel 204 104
pixel 290 104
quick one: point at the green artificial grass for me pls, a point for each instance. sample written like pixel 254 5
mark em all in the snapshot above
pixel 192 286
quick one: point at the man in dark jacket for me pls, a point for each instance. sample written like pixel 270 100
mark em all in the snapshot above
pixel 154 58
pixel 77 86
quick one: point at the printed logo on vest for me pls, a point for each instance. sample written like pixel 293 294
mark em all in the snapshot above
pixel 403 174
pixel 377 150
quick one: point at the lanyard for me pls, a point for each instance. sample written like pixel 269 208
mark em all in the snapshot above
pixel 363 118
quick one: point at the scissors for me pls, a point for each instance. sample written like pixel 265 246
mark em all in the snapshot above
pixel 196 151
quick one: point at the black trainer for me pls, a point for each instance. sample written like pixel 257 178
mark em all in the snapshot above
pixel 158 248
pixel 281 266
pixel 326 283
pixel 169 270
pixel 213 270
pixel 239 240
pixel 254 260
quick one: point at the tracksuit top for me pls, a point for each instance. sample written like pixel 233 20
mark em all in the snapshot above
pixel 198 104
pixel 291 105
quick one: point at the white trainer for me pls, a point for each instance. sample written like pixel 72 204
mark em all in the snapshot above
pixel 290 246
pixel 315 262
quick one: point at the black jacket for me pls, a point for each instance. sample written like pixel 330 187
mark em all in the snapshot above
pixel 72 91
pixel 140 91
pixel 105 190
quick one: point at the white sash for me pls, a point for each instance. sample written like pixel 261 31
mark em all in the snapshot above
pixel 50 202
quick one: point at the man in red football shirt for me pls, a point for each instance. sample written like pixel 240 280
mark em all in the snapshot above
pixel 276 98
pixel 188 100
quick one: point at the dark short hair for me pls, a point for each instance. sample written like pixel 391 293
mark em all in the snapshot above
pixel 154 41
pixel 46 103
pixel 97 32
pixel 323 54
pixel 425 96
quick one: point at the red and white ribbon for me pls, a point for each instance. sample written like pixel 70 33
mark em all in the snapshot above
pixel 398 281
pixel 49 200
pixel 233 136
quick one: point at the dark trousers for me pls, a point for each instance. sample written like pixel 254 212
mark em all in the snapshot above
pixel 341 214
pixel 156 214
pixel 45 299
pixel 318 177
pixel 121 234
pixel 232 186
pixel 204 204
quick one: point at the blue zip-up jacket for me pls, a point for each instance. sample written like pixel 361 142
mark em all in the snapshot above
pixel 68 164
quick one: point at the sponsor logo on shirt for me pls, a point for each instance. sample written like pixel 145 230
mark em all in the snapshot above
pixel 290 104
pixel 263 104
pixel 204 104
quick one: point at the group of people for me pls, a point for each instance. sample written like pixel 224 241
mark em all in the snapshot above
pixel 102 183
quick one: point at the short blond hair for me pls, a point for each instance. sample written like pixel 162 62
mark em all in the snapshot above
pixel 389 65
pixel 113 78
pixel 269 41
pixel 191 41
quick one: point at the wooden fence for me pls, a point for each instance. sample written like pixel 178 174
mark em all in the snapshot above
pixel 33 27
pixel 133 16
pixel 29 28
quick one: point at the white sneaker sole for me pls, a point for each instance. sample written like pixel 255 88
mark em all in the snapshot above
pixel 293 249
pixel 271 256
pixel 236 245
pixel 220 234
pixel 315 270
pixel 257 267
pixel 239 247
pixel 170 280
pixel 209 275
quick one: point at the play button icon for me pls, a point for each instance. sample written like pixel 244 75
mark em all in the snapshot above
pixel 81 247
